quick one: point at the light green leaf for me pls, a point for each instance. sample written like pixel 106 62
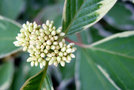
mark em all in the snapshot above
pixel 123 19
pixel 11 8
pixel 40 81
pixel 6 74
pixel 81 14
pixel 8 33
pixel 115 56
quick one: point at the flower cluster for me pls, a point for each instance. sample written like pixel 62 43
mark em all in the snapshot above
pixel 42 42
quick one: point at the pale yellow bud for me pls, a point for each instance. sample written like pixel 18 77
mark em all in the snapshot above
pixel 55 37
pixel 62 34
pixel 58 59
pixel 60 54
pixel 45 51
pixel 42 55
pixel 41 65
pixel 56 63
pixel 48 42
pixel 62 63
pixel 36 63
pixel 52 47
pixel 47 47
pixel 63 49
pixel 72 55
pixel 53 33
pixel 32 63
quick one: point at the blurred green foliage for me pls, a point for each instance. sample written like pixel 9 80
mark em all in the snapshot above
pixel 14 70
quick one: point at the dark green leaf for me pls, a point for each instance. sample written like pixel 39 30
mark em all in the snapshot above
pixel 115 56
pixel 81 14
pixel 6 74
pixel 8 33
pixel 88 75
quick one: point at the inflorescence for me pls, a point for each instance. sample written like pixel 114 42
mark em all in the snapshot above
pixel 43 44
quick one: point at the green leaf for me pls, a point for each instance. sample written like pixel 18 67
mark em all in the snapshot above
pixel 6 74
pixel 81 14
pixel 8 33
pixel 123 17
pixel 18 78
pixel 88 75
pixel 115 56
pixel 40 81
pixel 11 8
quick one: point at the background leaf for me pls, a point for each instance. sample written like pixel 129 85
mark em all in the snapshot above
pixel 6 74
pixel 115 56
pixel 8 31
pixel 81 14
pixel 123 19
pixel 11 8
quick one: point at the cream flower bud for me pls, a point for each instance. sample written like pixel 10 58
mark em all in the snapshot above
pixel 69 50
pixel 64 58
pixel 61 44
pixel 56 51
pixel 42 55
pixel 47 47
pixel 41 65
pixel 36 63
pixel 65 53
pixel 29 59
pixel 44 26
pixel 55 37
pixel 72 55
pixel 45 51
pixel 40 59
pixel 44 63
pixel 48 58
pixel 60 54
pixel 62 63
pixel 24 48
pixel 52 47
pixel 51 62
pixel 32 63
pixel 47 32
pixel 53 33
pixel 50 25
pixel 63 49
pixel 54 28
pixel 62 34
pixel 17 43
pixel 24 26
pixel 55 43
pixel 56 63
pixel 46 37
pixel 58 31
pixel 58 59
pixel 69 58
pixel 47 22
pixel 49 55
pixel 48 42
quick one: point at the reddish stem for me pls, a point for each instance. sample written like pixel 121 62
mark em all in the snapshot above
pixel 77 43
